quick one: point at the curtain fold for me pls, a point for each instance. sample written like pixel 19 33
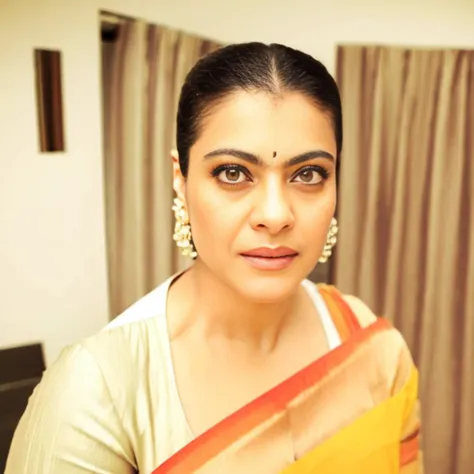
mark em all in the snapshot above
pixel 406 214
pixel 143 72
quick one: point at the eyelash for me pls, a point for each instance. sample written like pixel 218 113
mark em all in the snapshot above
pixel 323 172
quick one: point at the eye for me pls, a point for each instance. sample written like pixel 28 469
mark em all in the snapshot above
pixel 311 175
pixel 230 174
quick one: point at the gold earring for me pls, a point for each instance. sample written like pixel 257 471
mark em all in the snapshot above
pixel 330 242
pixel 182 230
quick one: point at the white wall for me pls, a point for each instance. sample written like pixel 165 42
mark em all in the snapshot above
pixel 52 259
pixel 52 251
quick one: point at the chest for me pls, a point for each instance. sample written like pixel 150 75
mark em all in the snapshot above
pixel 202 405
pixel 212 385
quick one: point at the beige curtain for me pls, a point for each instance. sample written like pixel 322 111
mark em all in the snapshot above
pixel 143 71
pixel 406 213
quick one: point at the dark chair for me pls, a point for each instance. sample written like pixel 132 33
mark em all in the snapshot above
pixel 21 369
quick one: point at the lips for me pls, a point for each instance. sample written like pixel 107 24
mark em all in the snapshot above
pixel 268 252
pixel 270 259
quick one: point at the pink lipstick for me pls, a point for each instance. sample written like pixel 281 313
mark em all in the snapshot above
pixel 268 258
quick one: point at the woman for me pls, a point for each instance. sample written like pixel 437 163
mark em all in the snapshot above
pixel 238 365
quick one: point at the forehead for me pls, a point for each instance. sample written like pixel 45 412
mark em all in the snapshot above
pixel 263 123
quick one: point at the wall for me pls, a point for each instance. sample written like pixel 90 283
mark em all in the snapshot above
pixel 52 251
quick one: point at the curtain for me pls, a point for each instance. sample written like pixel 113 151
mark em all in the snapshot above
pixel 406 215
pixel 143 71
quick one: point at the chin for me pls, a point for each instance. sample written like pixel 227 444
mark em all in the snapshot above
pixel 266 292
pixel 268 287
pixel 261 286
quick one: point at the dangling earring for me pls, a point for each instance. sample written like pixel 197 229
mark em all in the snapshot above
pixel 182 230
pixel 330 242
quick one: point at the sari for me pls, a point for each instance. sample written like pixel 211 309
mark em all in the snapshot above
pixel 354 410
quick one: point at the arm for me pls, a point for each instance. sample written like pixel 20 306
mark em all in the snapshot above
pixel 70 425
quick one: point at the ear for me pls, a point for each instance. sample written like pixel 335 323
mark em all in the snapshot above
pixel 179 182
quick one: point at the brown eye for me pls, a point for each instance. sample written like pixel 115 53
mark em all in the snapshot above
pixel 311 175
pixel 307 176
pixel 231 176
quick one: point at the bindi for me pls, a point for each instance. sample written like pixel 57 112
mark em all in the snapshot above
pixel 274 154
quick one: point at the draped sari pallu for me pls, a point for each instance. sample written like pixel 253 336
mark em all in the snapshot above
pixel 355 410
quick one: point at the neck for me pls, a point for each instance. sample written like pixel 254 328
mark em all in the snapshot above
pixel 221 314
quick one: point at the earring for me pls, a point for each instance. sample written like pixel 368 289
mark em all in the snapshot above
pixel 182 230
pixel 330 242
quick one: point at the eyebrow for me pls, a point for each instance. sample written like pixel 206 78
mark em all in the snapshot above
pixel 256 160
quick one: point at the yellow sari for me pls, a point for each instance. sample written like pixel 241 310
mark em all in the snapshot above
pixel 355 410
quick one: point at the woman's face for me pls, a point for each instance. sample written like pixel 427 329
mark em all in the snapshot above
pixel 261 192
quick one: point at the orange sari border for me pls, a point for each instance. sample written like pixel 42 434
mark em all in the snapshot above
pixel 236 425
pixel 409 448
pixel 342 315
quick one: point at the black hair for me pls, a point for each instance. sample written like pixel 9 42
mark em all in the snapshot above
pixel 273 69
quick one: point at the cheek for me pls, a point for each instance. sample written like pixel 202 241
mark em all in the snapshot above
pixel 313 221
pixel 213 223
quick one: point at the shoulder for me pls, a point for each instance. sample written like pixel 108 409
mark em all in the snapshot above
pixel 75 371
pixel 348 307
pixel 69 415
pixel 129 337
pixel 74 378
pixel 116 362
pixel 365 316
pixel 135 328
pixel 379 338
pixel 133 347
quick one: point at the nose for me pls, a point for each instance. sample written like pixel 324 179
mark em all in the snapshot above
pixel 272 210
